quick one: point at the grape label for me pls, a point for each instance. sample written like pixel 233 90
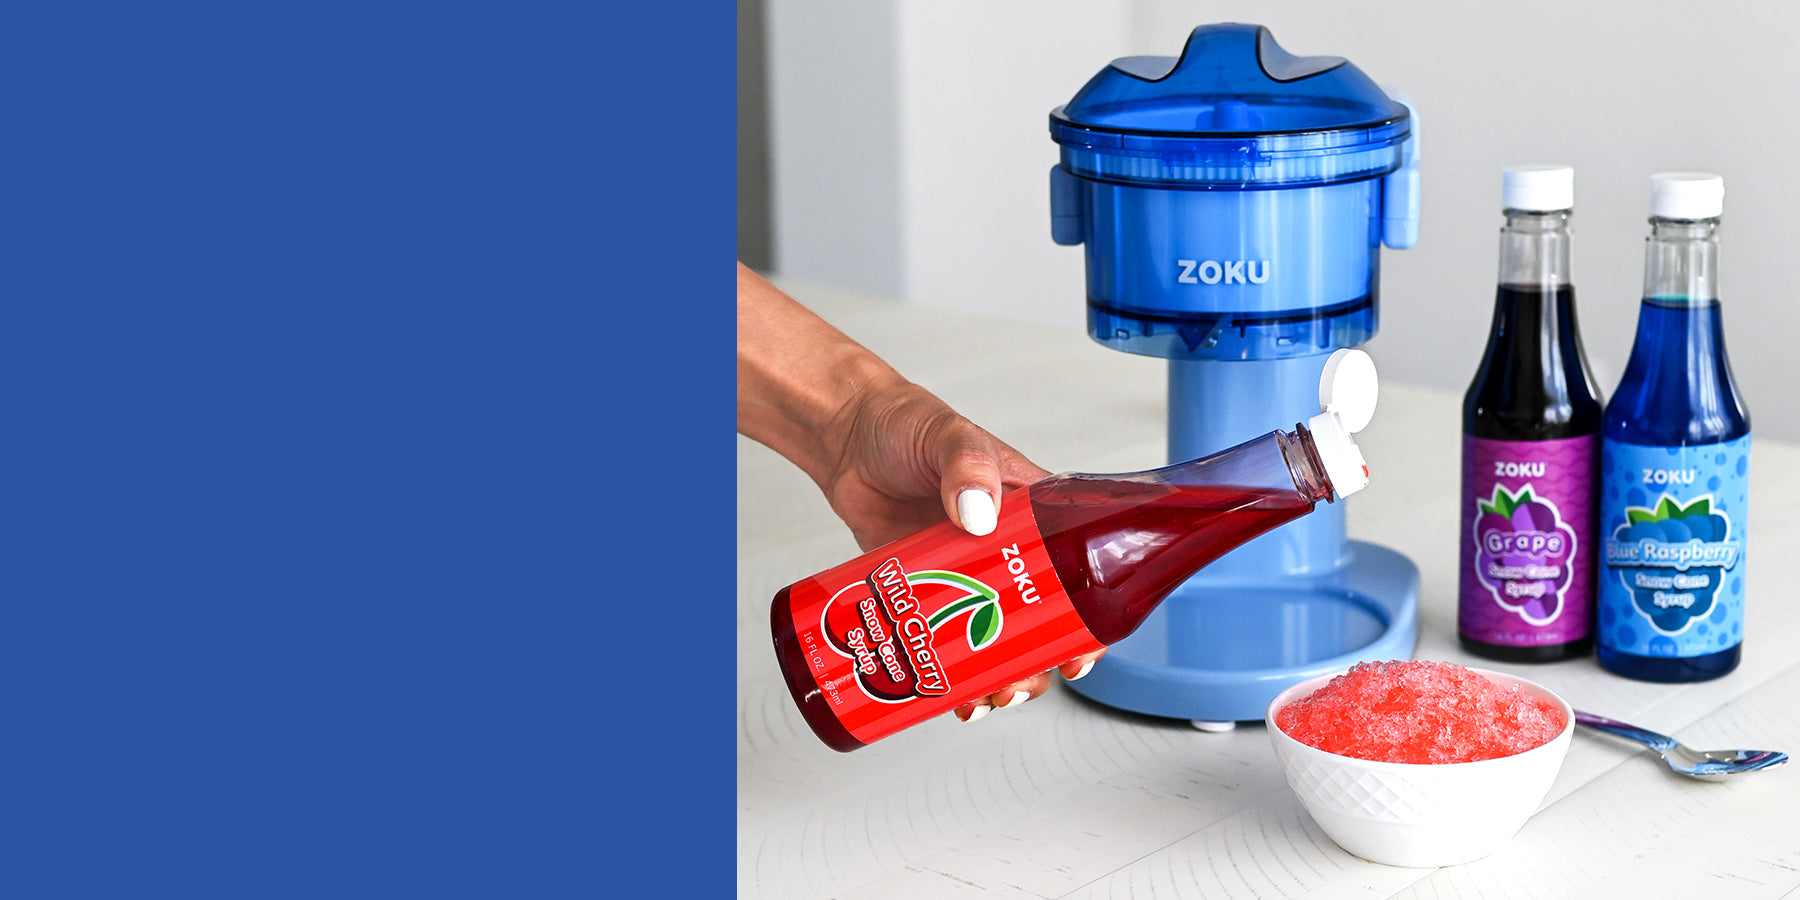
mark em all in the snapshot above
pixel 1526 536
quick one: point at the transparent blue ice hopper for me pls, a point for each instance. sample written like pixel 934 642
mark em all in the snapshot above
pixel 1232 203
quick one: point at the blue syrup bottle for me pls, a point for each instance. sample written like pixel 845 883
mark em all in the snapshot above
pixel 1675 461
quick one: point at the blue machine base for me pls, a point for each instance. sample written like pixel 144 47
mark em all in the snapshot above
pixel 1215 651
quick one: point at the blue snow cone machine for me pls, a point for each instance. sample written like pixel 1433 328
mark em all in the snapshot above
pixel 1232 204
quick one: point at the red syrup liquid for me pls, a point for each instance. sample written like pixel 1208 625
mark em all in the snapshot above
pixel 1119 547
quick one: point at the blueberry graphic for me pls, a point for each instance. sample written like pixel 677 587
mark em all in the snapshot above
pixel 1720 529
pixel 1700 527
pixel 1675 531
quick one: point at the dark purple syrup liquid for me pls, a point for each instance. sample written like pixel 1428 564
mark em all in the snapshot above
pixel 1532 385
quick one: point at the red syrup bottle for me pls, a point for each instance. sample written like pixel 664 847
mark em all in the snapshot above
pixel 920 626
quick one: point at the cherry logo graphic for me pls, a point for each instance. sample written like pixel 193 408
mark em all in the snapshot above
pixel 888 624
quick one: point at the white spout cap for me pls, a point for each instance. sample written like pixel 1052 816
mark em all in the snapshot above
pixel 1538 188
pixel 1348 389
pixel 1686 195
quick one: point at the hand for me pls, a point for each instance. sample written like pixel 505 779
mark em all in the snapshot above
pixel 890 457
pixel 905 460
pixel 908 462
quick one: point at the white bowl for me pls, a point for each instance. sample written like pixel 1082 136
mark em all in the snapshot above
pixel 1420 815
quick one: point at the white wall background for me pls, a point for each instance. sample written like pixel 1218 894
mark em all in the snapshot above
pixel 910 152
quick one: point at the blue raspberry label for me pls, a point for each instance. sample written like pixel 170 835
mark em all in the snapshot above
pixel 1672 527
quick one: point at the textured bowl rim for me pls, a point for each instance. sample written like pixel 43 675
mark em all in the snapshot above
pixel 1305 688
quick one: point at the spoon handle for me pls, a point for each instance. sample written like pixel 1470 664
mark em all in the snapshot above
pixel 1658 742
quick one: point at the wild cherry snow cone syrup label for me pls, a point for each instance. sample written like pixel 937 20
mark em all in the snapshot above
pixel 923 625
pixel 1673 523
pixel 1527 540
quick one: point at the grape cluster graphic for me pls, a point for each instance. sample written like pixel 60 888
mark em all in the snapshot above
pixel 1537 600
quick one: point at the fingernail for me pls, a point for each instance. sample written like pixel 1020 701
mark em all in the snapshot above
pixel 976 509
pixel 978 712
pixel 1085 668
pixel 1017 698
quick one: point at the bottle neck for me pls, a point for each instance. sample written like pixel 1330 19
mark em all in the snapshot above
pixel 1681 260
pixel 1534 249
pixel 1304 463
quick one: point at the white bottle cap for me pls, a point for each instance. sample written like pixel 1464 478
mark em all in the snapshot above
pixel 1686 195
pixel 1342 458
pixel 1348 390
pixel 1349 387
pixel 1538 188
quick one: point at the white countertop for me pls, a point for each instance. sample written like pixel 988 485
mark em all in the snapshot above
pixel 1063 797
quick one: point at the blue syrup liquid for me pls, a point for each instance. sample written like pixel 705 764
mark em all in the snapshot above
pixel 1677 391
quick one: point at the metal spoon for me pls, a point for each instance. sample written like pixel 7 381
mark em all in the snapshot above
pixel 1685 760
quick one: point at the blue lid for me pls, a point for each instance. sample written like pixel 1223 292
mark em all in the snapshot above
pixel 1234 111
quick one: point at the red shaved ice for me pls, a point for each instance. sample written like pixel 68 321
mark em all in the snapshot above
pixel 1415 711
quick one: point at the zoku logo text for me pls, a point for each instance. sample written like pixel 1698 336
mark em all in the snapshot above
pixel 1212 271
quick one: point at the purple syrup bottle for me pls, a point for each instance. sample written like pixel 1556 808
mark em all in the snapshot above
pixel 1531 446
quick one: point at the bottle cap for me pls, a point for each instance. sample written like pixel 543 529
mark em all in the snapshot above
pixel 1686 195
pixel 1348 389
pixel 1538 188
pixel 1343 460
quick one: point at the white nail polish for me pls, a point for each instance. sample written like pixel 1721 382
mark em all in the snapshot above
pixel 1017 698
pixel 1086 667
pixel 978 713
pixel 976 509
